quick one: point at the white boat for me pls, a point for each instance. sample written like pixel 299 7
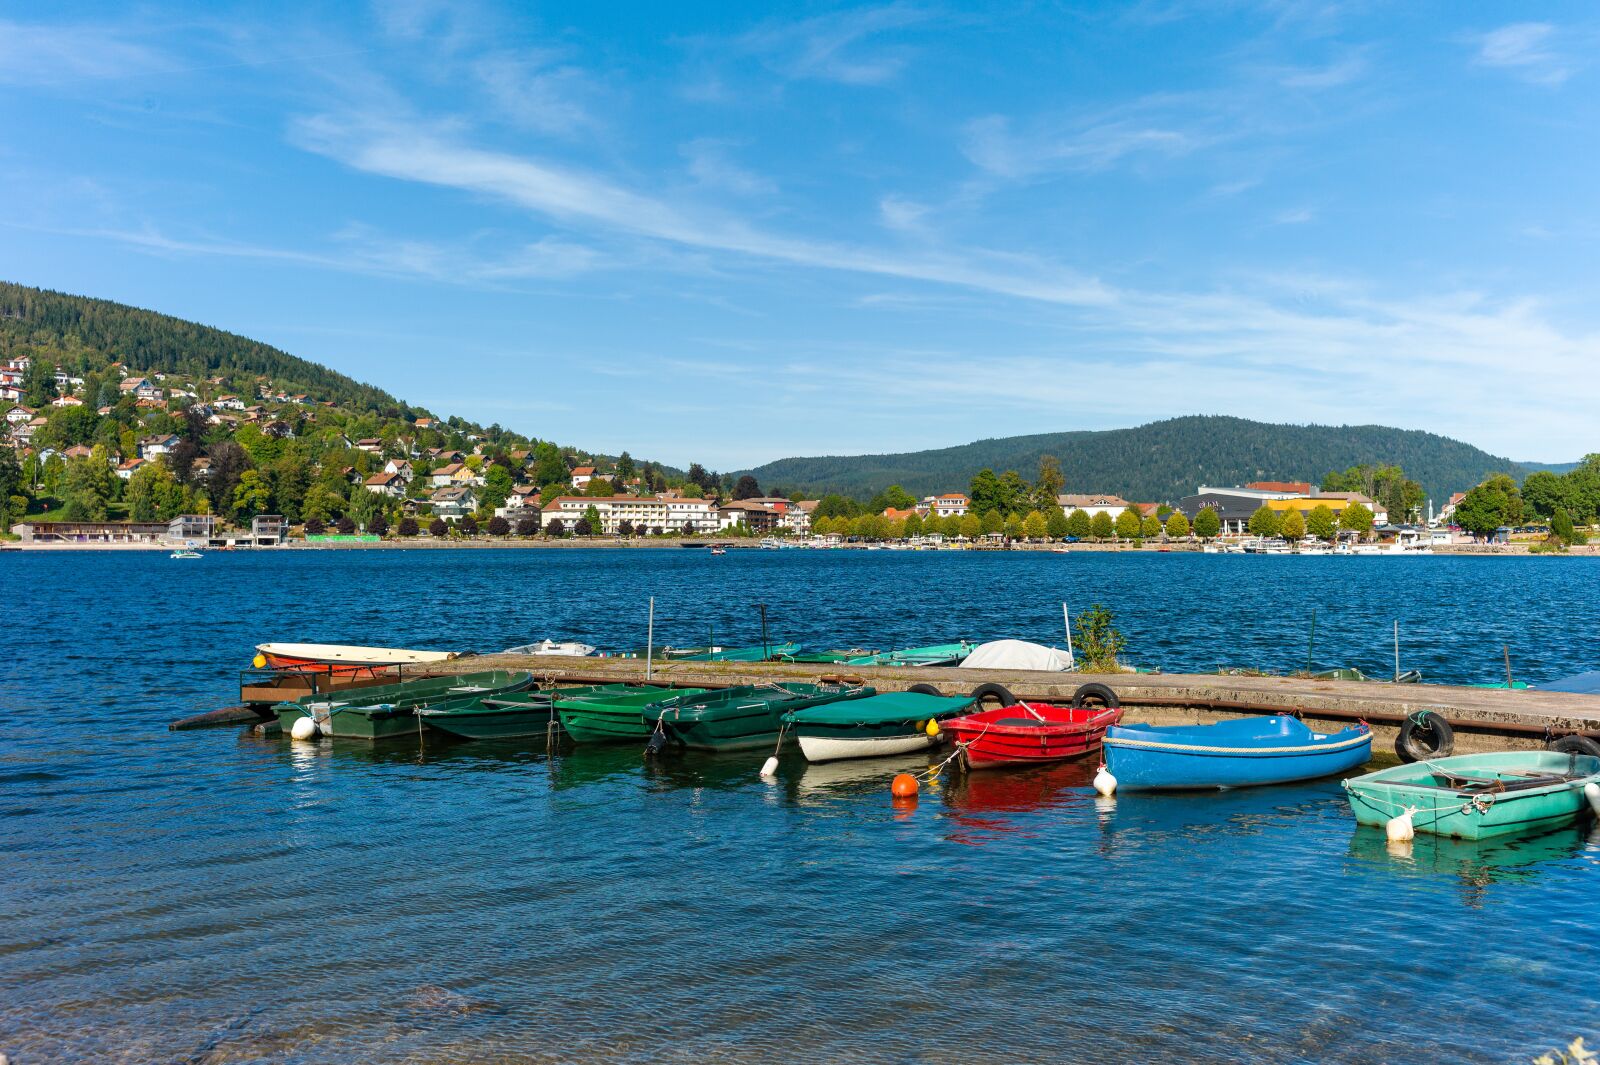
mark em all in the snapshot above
pixel 280 655
pixel 571 648
pixel 832 749
pixel 185 552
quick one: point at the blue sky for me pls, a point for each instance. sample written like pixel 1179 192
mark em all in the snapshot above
pixel 726 234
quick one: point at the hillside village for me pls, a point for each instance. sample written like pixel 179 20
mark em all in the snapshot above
pixel 93 450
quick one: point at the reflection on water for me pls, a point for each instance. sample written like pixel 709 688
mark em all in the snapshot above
pixel 216 897
pixel 1474 864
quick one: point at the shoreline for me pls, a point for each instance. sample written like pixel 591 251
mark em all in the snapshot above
pixel 421 543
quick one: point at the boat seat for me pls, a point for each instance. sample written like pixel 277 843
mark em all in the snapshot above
pixel 1024 722
pixel 1495 785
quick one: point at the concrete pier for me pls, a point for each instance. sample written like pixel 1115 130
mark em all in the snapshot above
pixel 1484 718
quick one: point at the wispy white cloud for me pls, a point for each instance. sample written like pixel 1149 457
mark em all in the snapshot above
pixel 1526 48
pixel 711 165
pixel 572 196
pixel 991 144
pixel 535 90
pixel 1294 216
pixel 841 46
pixel 1341 72
pixel 61 54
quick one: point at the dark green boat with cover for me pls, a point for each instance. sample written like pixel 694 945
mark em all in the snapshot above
pixel 512 714
pixel 612 717
pixel 739 718
pixel 391 709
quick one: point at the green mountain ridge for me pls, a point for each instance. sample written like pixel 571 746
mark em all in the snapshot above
pixel 1159 461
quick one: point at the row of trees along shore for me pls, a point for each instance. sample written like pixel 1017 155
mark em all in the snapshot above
pixel 1054 524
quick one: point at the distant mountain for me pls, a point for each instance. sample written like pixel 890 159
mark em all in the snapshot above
pixel 1553 467
pixel 149 342
pixel 1162 461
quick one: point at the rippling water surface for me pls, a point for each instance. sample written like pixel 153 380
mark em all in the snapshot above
pixel 209 897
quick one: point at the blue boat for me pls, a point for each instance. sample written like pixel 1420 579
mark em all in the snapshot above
pixel 1230 754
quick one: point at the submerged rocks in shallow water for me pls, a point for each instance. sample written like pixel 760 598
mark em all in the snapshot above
pixel 436 1001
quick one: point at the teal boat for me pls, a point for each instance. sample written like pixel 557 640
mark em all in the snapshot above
pixel 739 718
pixel 759 653
pixel 873 726
pixel 1478 796
pixel 612 717
pixel 391 709
pixel 939 654
pixel 509 714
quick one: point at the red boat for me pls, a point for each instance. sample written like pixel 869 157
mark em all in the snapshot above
pixel 1030 733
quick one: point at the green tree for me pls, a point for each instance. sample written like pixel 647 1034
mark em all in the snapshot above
pixel 1012 528
pixel 1321 522
pixel 364 506
pixel 1164 512
pixel 252 496
pixel 90 487
pixel 1207 523
pixel 993 521
pixel 1543 493
pixel 1101 526
pixel 984 492
pixel 1033 526
pixel 1356 518
pixel 1098 643
pixel 1079 524
pixel 1177 525
pixel 834 505
pixel 1150 526
pixel 153 494
pixel 12 487
pixel 549 467
pixel 1495 502
pixel 626 471
pixel 1265 522
pixel 497 485
pixel 913 525
pixel 1014 492
pixel 970 526
pixel 1293 527
pixel 1056 524
pixel 1128 525
pixel 591 514
pixel 893 496
pixel 1048 486
pixel 1561 527
pixel 39 383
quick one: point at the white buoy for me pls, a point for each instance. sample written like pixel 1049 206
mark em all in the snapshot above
pixel 1104 783
pixel 769 768
pixel 1399 828
pixel 303 729
pixel 1591 791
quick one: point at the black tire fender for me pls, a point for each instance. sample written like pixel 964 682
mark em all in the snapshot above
pixel 1096 695
pixel 1574 745
pixel 998 691
pixel 1424 735
pixel 925 689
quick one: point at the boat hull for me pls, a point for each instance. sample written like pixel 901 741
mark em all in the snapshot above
pixel 1011 735
pixel 841 744
pixel 490 719
pixel 618 719
pixel 740 719
pixel 1377 797
pixel 390 711
pixel 342 657
pixel 1255 753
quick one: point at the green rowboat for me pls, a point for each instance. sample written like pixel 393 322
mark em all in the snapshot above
pixel 1477 796
pixel 759 653
pixel 507 715
pixel 939 654
pixel 390 710
pixel 891 723
pixel 616 717
pixel 739 718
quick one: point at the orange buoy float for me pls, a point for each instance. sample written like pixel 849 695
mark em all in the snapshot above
pixel 904 786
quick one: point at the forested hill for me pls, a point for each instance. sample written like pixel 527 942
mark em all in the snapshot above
pixel 60 325
pixel 1160 461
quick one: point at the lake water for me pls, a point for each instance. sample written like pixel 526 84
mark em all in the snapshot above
pixel 210 897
